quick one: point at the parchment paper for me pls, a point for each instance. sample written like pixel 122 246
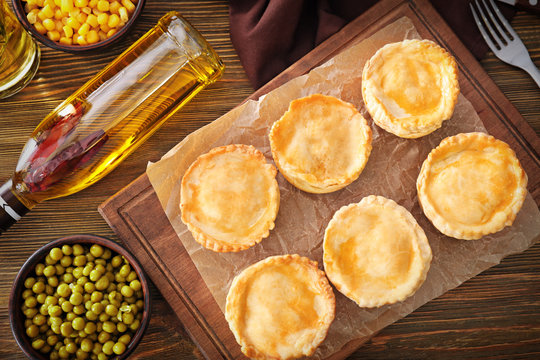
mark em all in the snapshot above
pixel 391 171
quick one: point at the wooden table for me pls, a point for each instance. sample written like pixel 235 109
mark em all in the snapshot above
pixel 494 315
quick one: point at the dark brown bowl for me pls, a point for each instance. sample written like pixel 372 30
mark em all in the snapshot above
pixel 18 7
pixel 16 316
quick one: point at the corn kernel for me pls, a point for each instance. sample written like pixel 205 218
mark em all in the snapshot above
pixel 39 3
pixel 50 3
pixel 105 28
pixel 68 31
pixel 40 29
pixel 102 35
pixel 41 15
pixel 103 5
pixel 75 12
pixel 58 14
pixel 81 40
pixel 58 25
pixel 47 11
pixel 123 14
pixel 80 3
pixel 87 10
pixel 128 5
pixel 111 32
pixel 92 37
pixel 92 20
pixel 30 7
pixel 32 17
pixel 49 24
pixel 114 20
pixel 81 18
pixel 83 30
pixel 103 19
pixel 53 35
pixel 58 3
pixel 66 40
pixel 93 3
pixel 73 23
pixel 114 6
pixel 66 6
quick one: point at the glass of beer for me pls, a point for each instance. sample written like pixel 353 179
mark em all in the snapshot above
pixel 19 53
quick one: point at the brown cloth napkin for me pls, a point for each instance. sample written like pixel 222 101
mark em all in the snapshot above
pixel 270 35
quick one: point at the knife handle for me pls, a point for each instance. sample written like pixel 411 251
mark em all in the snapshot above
pixel 529 5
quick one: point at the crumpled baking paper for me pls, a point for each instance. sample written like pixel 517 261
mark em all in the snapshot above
pixel 391 171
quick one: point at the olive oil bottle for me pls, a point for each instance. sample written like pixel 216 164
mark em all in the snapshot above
pixel 100 124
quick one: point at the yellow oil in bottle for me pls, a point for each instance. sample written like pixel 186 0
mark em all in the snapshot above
pixel 87 135
pixel 19 54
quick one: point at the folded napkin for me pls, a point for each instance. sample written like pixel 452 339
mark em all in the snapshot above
pixel 270 35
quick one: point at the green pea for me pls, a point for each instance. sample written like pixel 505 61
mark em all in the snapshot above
pixel 95 275
pixel 116 261
pixel 67 250
pixel 70 316
pixel 125 270
pixel 90 328
pixel 55 310
pixel 135 325
pixel 101 268
pixel 27 293
pixel 49 290
pixel 97 348
pixel 68 277
pixel 127 291
pixel 111 310
pixel 78 323
pixel 66 329
pixel 108 347
pixel 127 318
pixel 78 250
pixel 45 349
pixel 102 283
pixel 29 282
pixel 52 281
pixel 121 327
pixel 79 260
pixel 39 319
pixel 30 313
pixel 71 347
pixel 30 302
pixel 32 331
pixel 49 271
pixel 97 308
pixel 89 287
pixel 82 280
pixel 49 260
pixel 104 317
pixel 132 276
pixel 59 269
pixel 109 327
pixel 44 309
pixel 52 340
pixel 103 337
pixel 119 348
pixel 56 329
pixel 88 268
pixel 79 309
pixel 38 287
pixel 96 250
pixel 67 306
pixel 78 272
pixel 107 253
pixel 39 269
pixel 38 344
pixel 63 290
pixel 41 298
pixel 92 316
pixel 66 261
pixel 87 345
pixel 56 254
pixel 78 289
pixel 76 298
pixel 56 320
pixel 96 296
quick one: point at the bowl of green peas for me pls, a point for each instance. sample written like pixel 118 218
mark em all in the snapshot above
pixel 79 297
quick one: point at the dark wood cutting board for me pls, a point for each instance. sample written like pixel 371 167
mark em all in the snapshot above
pixel 136 216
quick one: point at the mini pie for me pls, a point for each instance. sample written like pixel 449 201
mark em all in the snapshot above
pixel 321 144
pixel 410 87
pixel 375 253
pixel 230 198
pixel 471 185
pixel 280 308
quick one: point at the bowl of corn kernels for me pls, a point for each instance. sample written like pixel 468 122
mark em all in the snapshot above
pixel 77 25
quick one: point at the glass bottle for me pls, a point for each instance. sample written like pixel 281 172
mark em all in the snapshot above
pixel 19 53
pixel 94 129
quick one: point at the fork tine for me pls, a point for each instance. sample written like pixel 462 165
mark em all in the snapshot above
pixel 483 30
pixel 495 22
pixel 503 20
pixel 496 39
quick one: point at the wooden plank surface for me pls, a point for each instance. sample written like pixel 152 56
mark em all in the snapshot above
pixel 494 315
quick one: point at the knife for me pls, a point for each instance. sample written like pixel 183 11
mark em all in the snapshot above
pixel 527 5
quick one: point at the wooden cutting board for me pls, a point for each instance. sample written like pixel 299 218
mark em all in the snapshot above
pixel 136 216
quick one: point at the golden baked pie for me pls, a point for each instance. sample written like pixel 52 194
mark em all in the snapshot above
pixel 410 87
pixel 471 185
pixel 375 253
pixel 280 308
pixel 230 198
pixel 321 144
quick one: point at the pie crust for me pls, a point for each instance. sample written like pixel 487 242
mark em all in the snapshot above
pixel 280 308
pixel 230 198
pixel 375 253
pixel 321 144
pixel 410 87
pixel 471 185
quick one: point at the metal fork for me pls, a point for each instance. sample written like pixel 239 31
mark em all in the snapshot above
pixel 504 42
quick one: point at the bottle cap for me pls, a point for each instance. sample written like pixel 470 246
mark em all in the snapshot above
pixel 11 209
